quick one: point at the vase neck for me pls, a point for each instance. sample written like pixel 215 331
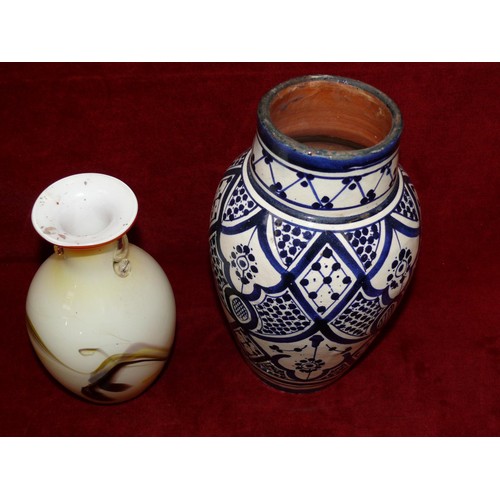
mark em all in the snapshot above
pixel 97 252
pixel 109 257
pixel 322 193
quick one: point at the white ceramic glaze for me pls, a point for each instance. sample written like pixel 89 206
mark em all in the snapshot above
pixel 101 316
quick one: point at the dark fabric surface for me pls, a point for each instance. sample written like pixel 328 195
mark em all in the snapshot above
pixel 170 131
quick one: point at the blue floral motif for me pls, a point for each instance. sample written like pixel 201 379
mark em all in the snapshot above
pixel 244 262
pixel 309 365
pixel 400 268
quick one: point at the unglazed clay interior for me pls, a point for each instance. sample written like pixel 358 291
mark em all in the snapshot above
pixel 330 115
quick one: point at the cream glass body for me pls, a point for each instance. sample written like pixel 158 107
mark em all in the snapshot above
pixel 105 337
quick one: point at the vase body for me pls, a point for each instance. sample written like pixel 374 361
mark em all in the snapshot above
pixel 101 318
pixel 314 231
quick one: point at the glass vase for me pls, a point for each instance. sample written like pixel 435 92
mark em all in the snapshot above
pixel 100 311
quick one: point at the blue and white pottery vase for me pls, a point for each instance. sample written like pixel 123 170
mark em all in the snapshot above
pixel 314 231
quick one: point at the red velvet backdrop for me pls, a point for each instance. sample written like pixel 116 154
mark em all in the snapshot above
pixel 170 131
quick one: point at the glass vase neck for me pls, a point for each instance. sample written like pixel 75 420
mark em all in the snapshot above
pixel 112 255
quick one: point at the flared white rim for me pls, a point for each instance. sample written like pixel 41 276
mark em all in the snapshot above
pixel 84 210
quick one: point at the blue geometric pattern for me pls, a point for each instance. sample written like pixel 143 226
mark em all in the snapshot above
pixel 407 206
pixel 307 298
pixel 239 204
pixel 325 280
pixel 290 240
pixel 365 242
pixel 325 192
pixel 356 319
pixel 281 315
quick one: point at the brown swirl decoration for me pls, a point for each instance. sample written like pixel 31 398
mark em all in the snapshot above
pixel 102 378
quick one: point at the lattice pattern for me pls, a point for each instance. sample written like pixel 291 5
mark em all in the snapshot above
pixel 358 317
pixel 281 315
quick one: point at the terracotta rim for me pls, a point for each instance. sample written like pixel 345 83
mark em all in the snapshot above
pixel 359 118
